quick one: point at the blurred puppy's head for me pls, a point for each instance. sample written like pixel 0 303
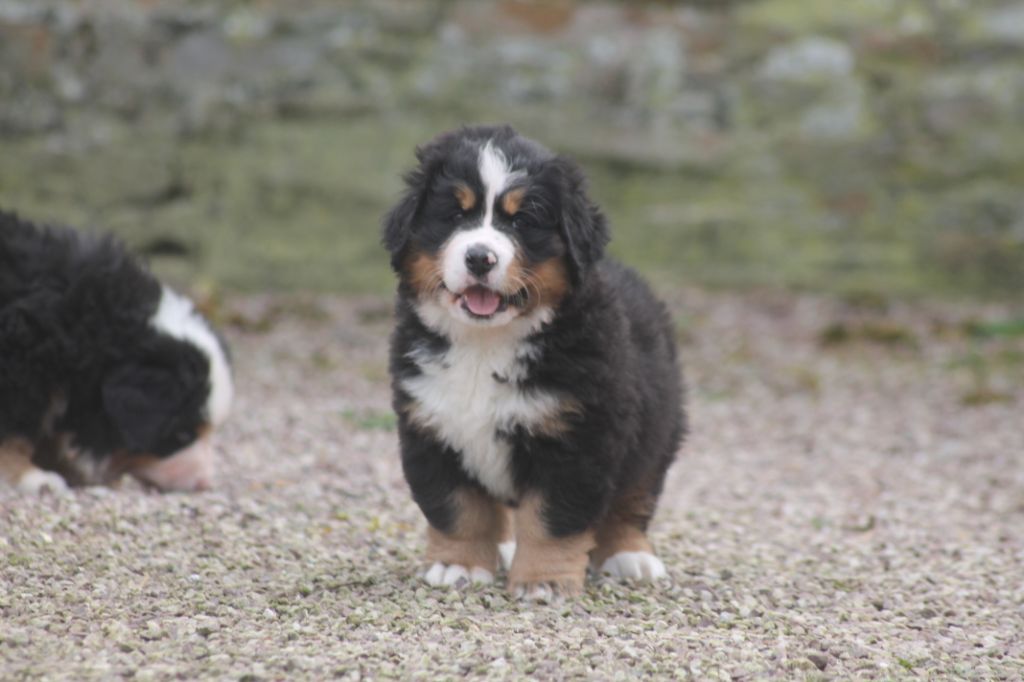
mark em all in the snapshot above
pixel 159 401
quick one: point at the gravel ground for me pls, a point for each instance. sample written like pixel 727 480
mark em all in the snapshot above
pixel 839 511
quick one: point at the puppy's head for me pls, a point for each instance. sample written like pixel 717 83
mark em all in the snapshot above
pixel 164 398
pixel 166 402
pixel 492 227
pixel 157 407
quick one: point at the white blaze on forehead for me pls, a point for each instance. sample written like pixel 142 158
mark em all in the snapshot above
pixel 496 177
pixel 178 318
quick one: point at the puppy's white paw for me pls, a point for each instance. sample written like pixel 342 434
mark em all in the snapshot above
pixel 634 565
pixel 507 550
pixel 457 575
pixel 541 593
pixel 37 480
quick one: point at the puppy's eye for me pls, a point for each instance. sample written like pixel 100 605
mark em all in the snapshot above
pixel 523 221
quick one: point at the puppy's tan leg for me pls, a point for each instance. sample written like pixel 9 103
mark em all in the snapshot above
pixel 623 550
pixel 545 566
pixel 17 469
pixel 469 552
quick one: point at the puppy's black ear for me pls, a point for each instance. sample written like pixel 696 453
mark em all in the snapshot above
pixel 146 403
pixel 140 401
pixel 582 225
pixel 399 221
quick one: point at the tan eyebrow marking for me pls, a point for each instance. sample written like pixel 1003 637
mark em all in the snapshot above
pixel 513 200
pixel 465 196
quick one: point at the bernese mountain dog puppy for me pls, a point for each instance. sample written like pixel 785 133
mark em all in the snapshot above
pixel 103 371
pixel 535 381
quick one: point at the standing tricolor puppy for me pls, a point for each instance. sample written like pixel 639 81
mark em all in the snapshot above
pixel 535 381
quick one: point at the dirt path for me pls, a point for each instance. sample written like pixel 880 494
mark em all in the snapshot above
pixel 838 512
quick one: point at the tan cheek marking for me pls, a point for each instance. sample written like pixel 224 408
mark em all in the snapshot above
pixel 15 460
pixel 513 200
pixel 424 272
pixel 547 282
pixel 543 559
pixel 480 524
pixel 553 279
pixel 517 277
pixel 465 196
pixel 623 529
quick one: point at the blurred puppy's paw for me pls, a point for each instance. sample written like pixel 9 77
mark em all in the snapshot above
pixel 37 481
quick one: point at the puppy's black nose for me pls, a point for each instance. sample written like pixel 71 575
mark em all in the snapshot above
pixel 480 260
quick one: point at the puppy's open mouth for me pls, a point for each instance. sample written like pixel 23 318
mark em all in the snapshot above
pixel 482 302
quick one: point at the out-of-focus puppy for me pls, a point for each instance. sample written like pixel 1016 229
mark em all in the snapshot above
pixel 103 370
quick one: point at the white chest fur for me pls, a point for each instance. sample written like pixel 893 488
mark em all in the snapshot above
pixel 467 394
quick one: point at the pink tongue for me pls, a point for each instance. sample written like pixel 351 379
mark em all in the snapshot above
pixel 481 301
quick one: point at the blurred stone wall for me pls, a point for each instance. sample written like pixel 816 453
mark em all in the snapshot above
pixel 898 124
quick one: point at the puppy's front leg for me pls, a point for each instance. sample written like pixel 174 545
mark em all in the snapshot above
pixel 465 523
pixel 549 561
pixel 467 549
pixel 17 469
